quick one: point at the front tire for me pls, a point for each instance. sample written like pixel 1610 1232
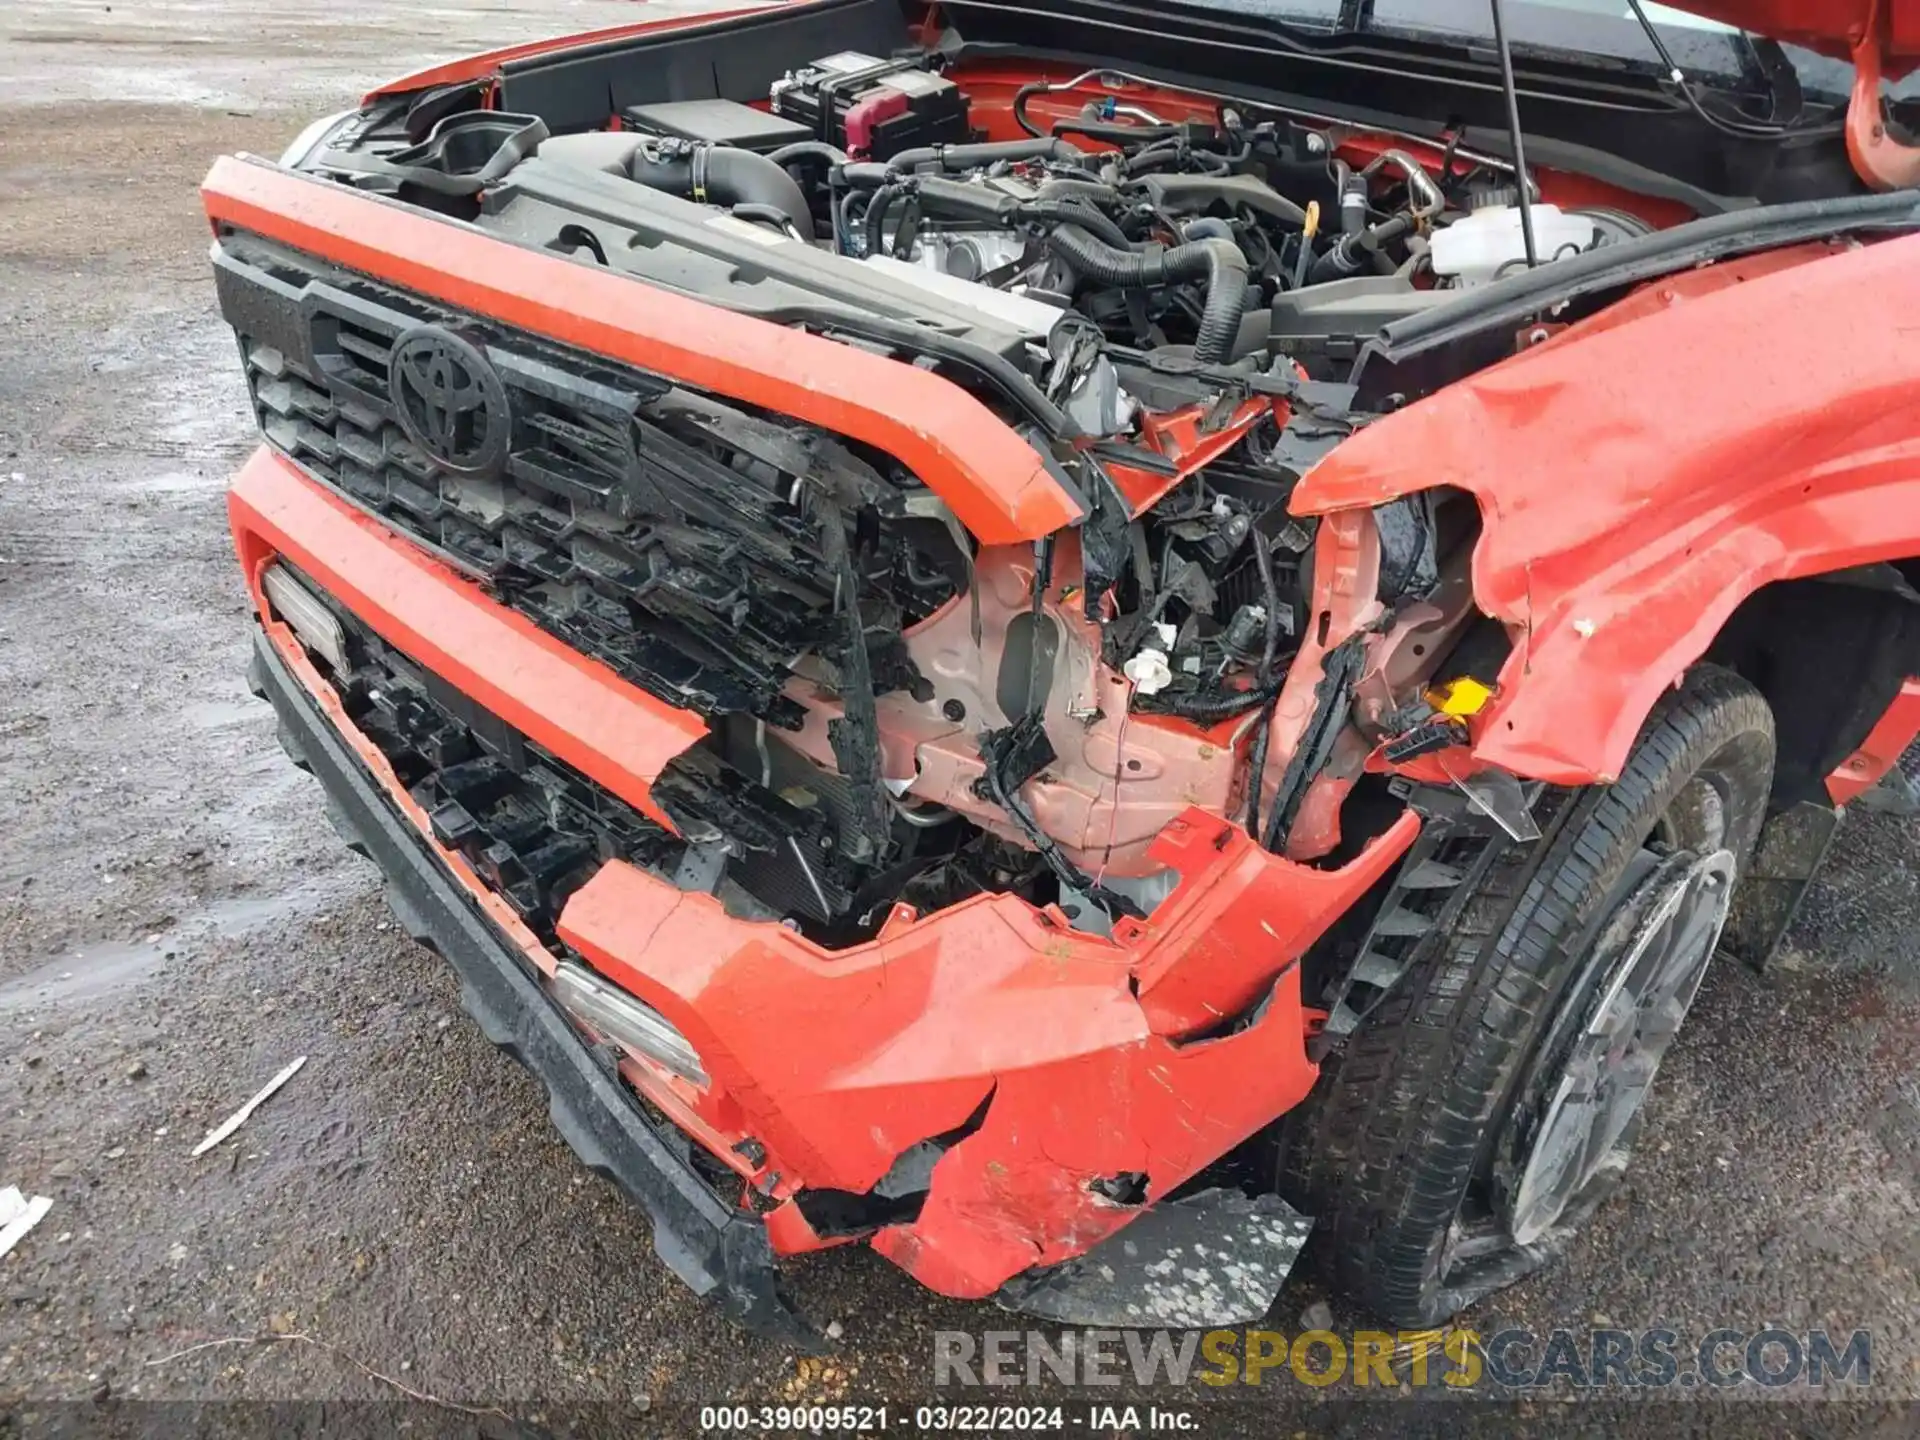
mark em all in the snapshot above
pixel 1488 1107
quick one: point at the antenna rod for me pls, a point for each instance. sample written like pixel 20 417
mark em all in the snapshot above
pixel 1514 135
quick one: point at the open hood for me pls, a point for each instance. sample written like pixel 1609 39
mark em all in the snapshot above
pixel 1880 37
pixel 1832 27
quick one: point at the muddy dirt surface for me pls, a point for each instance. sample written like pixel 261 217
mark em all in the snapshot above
pixel 177 921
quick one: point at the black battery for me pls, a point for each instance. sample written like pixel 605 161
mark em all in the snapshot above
pixel 872 108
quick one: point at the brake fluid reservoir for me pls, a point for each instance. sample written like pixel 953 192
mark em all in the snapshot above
pixel 1488 243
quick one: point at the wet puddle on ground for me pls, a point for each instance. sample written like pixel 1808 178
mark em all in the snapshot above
pixel 97 970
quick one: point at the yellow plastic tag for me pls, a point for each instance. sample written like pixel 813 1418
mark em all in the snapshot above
pixel 1460 698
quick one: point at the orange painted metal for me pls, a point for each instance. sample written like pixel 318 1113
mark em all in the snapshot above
pixel 993 480
pixel 1206 969
pixel 1832 27
pixel 837 1062
pixel 1879 159
pixel 1639 481
pixel 1671 291
pixel 1880 752
pixel 840 1062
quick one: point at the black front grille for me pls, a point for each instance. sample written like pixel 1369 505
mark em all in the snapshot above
pixel 697 549
pixel 533 828
pixel 536 829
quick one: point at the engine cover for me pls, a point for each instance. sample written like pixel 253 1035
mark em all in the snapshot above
pixel 700 251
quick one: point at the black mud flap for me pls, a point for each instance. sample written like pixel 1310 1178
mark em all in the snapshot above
pixel 1211 1260
pixel 720 1253
pixel 1789 858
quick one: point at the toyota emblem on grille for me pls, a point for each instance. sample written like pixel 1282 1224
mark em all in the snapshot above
pixel 450 401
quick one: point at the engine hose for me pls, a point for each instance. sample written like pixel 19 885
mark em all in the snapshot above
pixel 1020 99
pixel 1178 155
pixel 842 238
pixel 1093 192
pixel 1112 133
pixel 959 158
pixel 1353 253
pixel 1219 263
pixel 864 175
pixel 765 215
pixel 808 150
pixel 1073 212
pixel 723 176
pixel 876 222
pixel 1155 157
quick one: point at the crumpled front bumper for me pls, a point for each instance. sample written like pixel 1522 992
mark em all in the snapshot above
pixel 719 1251
pixel 1052 1078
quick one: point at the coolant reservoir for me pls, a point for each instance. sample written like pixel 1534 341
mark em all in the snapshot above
pixel 1488 243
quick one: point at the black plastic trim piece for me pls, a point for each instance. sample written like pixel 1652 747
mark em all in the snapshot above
pixel 720 1253
pixel 1790 855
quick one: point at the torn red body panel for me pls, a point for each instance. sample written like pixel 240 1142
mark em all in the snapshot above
pixel 925 709
pixel 1638 483
pixel 996 1004
pixel 991 1003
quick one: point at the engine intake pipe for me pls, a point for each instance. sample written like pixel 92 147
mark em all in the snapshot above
pixel 1220 264
pixel 721 175
pixel 961 158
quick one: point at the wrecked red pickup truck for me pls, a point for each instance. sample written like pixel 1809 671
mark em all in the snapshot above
pixel 1076 640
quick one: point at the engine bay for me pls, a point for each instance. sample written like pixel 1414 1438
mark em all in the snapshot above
pixel 1170 302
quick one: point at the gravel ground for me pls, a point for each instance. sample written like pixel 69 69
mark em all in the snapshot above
pixel 177 921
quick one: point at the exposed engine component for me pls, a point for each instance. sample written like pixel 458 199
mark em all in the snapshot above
pixel 873 108
pixel 978 256
pixel 720 175
pixel 1118 229
pixel 922 715
pixel 715 122
pixel 1488 242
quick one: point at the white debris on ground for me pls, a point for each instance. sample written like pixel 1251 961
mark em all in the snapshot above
pixel 18 1215
pixel 239 1117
